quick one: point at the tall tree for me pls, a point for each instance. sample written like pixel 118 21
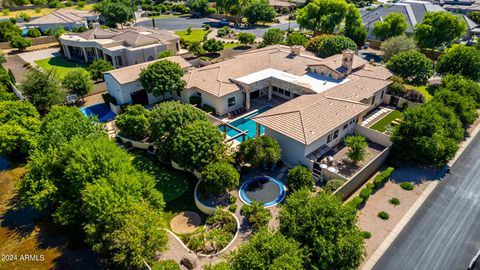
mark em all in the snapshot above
pixel 78 82
pixel 462 85
pixel 42 89
pixel 333 241
pixel 97 67
pixel 260 151
pixel 266 250
pixel 273 36
pixel 357 148
pixel 259 10
pixel 220 177
pixel 439 28
pixel 300 177
pixel 396 45
pixel 134 122
pixel 115 11
pixel 328 45
pixel 322 16
pixel 414 67
pixel 199 6
pixel 394 24
pixel 465 107
pixel 162 77
pixel 460 59
pixel 354 28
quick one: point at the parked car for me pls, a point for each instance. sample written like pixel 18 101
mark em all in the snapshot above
pixel 224 22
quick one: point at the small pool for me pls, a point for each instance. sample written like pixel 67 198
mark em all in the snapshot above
pixel 102 111
pixel 246 123
pixel 265 189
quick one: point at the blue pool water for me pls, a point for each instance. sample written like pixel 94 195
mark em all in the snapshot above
pixel 102 111
pixel 246 123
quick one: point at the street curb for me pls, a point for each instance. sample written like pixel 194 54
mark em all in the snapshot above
pixel 373 259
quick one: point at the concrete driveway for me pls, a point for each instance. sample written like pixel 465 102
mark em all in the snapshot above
pixel 445 232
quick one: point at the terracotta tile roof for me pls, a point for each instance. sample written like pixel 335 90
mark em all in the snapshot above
pixel 309 117
pixel 357 89
pixel 62 16
pixel 334 62
pixel 132 73
pixel 376 72
pixel 216 79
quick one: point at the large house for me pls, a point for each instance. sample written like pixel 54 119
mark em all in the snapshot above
pixel 68 19
pixel 323 99
pixel 121 47
pixel 414 11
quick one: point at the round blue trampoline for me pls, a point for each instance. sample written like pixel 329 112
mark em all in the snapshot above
pixel 265 189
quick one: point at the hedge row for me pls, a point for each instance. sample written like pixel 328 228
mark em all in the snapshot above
pixel 365 193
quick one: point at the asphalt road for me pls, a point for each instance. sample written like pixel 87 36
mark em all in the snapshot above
pixel 445 232
pixel 184 22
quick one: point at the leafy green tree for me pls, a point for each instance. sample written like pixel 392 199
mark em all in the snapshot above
pixel 246 38
pixel 134 122
pixel 42 89
pixel 5 78
pixel 460 59
pixel 266 250
pixel 20 42
pixel 464 107
pixel 328 45
pixel 34 33
pixel 97 67
pixel 260 150
pixel 162 77
pixel 212 45
pixel 196 48
pixel 333 241
pixel 259 11
pixel 357 148
pixel 124 221
pixel 258 216
pixel 8 30
pixel 78 82
pixel 396 45
pixel 296 38
pixel 322 16
pixel 165 54
pixel 394 24
pixel 414 67
pixel 428 134
pixel 462 85
pixel 115 11
pixel 273 36
pixel 220 177
pixel 354 28
pixel 198 144
pixel 199 6
pixel 166 120
pixel 5 95
pixel 61 124
pixel 300 177
pixel 439 28
pixel 19 127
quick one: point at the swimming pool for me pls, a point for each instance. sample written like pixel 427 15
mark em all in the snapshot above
pixel 246 123
pixel 102 111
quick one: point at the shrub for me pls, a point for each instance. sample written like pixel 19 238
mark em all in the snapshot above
pixel 394 201
pixel 328 45
pixel 333 185
pixel 196 100
pixel 366 234
pixel 357 148
pixel 134 122
pixel 407 186
pixel 219 177
pixel 383 215
pixel 165 265
pixel 370 186
pixel 256 214
pixel 299 177
pixel 355 202
pixel 232 208
pixel 383 177
pixel 232 199
pixel 365 193
pixel 33 33
pixel 81 4
pixel 414 96
pixel 209 109
pixel 260 151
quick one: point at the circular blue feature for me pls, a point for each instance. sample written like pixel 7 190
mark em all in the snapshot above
pixel 265 189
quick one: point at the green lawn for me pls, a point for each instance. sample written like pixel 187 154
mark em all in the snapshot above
pixel 60 65
pixel 196 35
pixel 423 90
pixel 41 12
pixel 386 120
pixel 231 46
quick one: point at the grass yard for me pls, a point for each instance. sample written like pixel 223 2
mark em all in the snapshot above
pixel 231 46
pixel 195 35
pixel 382 124
pixel 423 90
pixel 42 12
pixel 60 65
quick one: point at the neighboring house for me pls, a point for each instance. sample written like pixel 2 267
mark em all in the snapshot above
pixel 461 6
pixel 121 47
pixel 414 11
pixel 68 19
pixel 124 84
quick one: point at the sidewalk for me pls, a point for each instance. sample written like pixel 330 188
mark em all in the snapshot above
pixel 372 260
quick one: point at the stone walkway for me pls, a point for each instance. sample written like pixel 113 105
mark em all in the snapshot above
pixel 39 55
pixel 377 115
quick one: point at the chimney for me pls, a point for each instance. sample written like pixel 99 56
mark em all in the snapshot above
pixel 295 50
pixel 347 60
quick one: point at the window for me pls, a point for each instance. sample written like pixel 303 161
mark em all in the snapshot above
pixel 280 91
pixel 383 92
pixel 199 94
pixel 231 102
pixel 275 89
pixel 345 126
pixel 287 93
pixel 329 138
pixel 119 61
pixel 373 100
pixel 335 134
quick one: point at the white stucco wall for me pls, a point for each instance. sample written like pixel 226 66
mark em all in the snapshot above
pixel 292 150
pixel 219 103
pixel 122 93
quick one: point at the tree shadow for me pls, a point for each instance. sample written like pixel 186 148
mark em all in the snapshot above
pixel 242 48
